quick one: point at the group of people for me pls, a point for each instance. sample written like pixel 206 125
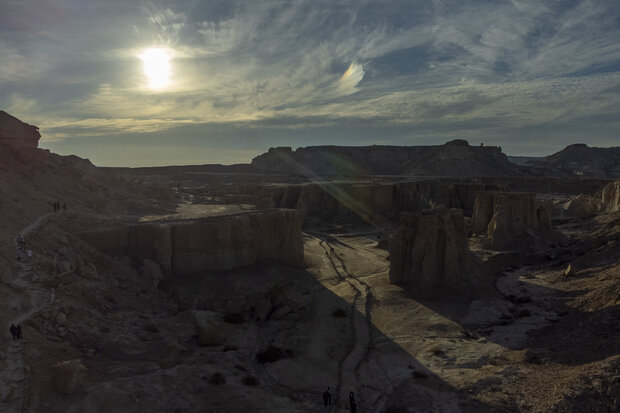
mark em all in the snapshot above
pixel 16 331
pixel 58 206
pixel 21 249
pixel 21 244
pixel 327 400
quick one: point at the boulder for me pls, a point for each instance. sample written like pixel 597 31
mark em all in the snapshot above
pixel 68 375
pixel 285 294
pixel 429 250
pixel 263 309
pixel 584 207
pixel 211 329
pixel 152 271
pixel 280 312
pixel 61 318
pixel 172 355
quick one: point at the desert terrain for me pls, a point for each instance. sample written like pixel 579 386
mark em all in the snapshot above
pixel 431 279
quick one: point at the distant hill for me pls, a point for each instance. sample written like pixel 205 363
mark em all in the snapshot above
pixel 581 160
pixel 455 158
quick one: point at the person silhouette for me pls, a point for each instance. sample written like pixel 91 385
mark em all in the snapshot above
pixel 13 331
pixel 352 403
pixel 327 397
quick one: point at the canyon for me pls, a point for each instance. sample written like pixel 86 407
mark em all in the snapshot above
pixel 423 279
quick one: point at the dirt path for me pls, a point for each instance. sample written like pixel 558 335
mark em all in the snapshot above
pixel 348 379
pixel 14 374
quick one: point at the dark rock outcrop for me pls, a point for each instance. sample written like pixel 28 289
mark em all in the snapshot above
pixel 16 134
pixel 69 375
pixel 455 158
pixel 585 161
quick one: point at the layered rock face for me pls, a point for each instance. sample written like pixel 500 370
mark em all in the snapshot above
pixel 611 197
pixel 510 219
pixel 429 250
pixel 15 133
pixel 372 202
pixel 210 244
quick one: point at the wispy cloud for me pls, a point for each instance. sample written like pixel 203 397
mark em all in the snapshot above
pixel 444 67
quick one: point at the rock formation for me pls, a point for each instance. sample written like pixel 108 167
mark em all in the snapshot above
pixel 68 375
pixel 455 158
pixel 611 197
pixel 429 250
pixel 373 202
pixel 212 331
pixel 510 219
pixel 584 161
pixel 15 133
pixel 209 244
pixel 583 207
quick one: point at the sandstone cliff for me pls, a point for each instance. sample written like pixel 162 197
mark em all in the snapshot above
pixel 371 202
pixel 430 250
pixel 611 197
pixel 209 244
pixel 510 219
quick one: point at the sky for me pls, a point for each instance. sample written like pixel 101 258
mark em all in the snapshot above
pixel 140 83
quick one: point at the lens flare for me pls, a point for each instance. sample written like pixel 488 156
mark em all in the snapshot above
pixel 156 63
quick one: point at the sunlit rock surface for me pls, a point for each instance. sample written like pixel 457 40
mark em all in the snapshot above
pixel 510 219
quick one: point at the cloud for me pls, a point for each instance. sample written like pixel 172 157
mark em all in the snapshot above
pixel 440 67
pixel 348 82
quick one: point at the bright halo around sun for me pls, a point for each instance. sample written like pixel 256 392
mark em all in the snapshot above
pixel 156 63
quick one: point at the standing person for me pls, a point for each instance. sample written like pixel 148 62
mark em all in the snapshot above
pixel 13 331
pixel 352 404
pixel 18 331
pixel 29 255
pixel 327 397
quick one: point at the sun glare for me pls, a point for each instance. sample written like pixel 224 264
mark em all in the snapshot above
pixel 156 64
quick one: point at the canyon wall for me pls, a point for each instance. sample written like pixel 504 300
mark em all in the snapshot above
pixel 429 250
pixel 611 197
pixel 209 244
pixel 372 202
pixel 510 219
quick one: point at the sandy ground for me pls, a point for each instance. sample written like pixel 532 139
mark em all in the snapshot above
pixel 354 332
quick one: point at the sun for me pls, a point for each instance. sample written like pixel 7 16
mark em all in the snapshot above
pixel 156 63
